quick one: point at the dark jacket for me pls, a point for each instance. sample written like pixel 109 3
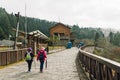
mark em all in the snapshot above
pixel 31 54
pixel 47 50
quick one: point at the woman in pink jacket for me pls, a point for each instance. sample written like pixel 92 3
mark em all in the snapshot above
pixel 41 56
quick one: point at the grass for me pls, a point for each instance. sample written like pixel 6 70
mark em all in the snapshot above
pixel 108 53
pixel 3 49
pixel 55 47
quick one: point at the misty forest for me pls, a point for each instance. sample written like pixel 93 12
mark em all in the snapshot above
pixel 107 42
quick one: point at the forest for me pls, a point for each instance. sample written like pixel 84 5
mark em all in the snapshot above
pixel 110 44
pixel 9 21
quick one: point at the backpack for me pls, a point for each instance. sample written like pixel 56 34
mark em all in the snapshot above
pixel 41 56
pixel 28 56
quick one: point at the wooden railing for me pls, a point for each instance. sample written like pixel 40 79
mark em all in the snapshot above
pixel 64 37
pixel 99 68
pixel 12 56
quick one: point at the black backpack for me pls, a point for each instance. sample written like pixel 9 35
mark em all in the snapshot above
pixel 41 56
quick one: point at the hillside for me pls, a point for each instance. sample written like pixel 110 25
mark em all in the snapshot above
pixel 8 21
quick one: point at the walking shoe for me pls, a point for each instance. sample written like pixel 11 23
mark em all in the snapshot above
pixel 41 71
pixel 28 71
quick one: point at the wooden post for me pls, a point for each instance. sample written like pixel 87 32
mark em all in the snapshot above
pixel 17 15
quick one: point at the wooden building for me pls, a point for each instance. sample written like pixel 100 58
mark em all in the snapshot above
pixel 35 39
pixel 62 32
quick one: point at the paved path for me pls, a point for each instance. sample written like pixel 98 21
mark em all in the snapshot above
pixel 61 66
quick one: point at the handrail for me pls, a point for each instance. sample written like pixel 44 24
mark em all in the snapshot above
pixel 11 56
pixel 99 68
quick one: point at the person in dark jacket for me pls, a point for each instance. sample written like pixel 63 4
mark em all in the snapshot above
pixel 47 50
pixel 29 58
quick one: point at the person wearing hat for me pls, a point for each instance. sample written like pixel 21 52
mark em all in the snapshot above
pixel 41 57
pixel 29 58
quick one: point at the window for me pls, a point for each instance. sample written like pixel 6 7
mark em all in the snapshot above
pixel 56 34
pixel 61 34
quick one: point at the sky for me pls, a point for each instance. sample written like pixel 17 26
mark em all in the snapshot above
pixel 85 13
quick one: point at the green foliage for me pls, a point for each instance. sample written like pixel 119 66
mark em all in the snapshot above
pixel 115 38
pixel 1 33
pixel 97 51
pixel 101 42
pixel 99 38
pixel 108 51
pixel 8 21
pixel 87 41
pixel 4 24
pixel 86 33
pixel 53 40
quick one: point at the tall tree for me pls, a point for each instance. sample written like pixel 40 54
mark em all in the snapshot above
pixel 4 23
pixel 96 39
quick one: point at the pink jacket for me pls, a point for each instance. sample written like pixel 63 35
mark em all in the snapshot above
pixel 45 55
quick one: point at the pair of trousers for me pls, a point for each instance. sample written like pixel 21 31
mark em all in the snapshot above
pixel 29 64
pixel 41 65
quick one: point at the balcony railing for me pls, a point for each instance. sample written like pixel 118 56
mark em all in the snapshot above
pixel 64 37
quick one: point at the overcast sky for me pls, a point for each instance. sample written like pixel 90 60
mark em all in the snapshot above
pixel 93 13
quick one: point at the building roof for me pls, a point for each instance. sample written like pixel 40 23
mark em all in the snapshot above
pixel 35 33
pixel 38 34
pixel 60 24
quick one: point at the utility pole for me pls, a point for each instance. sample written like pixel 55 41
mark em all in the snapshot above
pixel 25 44
pixel 15 42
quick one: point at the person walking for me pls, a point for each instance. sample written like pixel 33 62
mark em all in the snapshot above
pixel 29 58
pixel 41 56
pixel 47 49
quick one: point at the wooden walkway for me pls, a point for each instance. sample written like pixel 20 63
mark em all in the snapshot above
pixel 61 66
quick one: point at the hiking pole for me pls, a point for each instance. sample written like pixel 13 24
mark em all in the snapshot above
pixel 34 63
pixel 46 64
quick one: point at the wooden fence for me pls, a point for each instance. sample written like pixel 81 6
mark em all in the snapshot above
pixel 99 68
pixel 12 56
